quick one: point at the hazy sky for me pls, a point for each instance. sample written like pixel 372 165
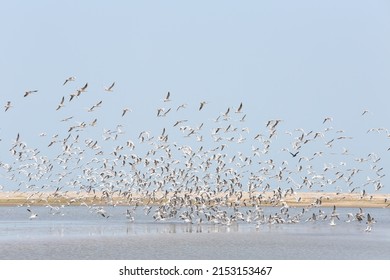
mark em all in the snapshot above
pixel 298 61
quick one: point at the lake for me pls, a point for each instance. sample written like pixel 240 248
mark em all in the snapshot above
pixel 79 232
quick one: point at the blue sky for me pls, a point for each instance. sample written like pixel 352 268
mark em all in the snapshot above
pixel 298 61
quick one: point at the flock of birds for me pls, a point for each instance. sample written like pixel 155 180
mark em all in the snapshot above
pixel 215 172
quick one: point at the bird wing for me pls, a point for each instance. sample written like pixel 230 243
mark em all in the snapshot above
pixel 239 108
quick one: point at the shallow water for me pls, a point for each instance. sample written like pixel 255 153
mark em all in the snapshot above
pixel 76 232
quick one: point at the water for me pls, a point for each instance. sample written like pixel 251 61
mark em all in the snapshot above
pixel 76 232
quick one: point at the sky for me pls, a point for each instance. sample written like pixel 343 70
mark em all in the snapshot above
pixel 295 61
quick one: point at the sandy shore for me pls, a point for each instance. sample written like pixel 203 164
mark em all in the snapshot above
pixel 303 199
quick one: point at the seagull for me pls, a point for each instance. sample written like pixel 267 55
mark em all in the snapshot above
pixel 350 217
pixel 162 113
pixel 294 155
pixel 95 106
pixel 102 212
pixel 7 106
pixel 78 92
pixel 83 89
pixel 333 216
pixel 129 216
pixel 328 119
pixel 239 108
pixel 125 111
pixel 202 105
pixel 73 95
pixel 182 106
pixel 61 104
pixel 27 93
pixel 110 87
pixel 67 119
pixel 179 122
pixel 360 215
pixel 226 114
pixel 312 218
pixel 166 99
pixel 370 222
pixel 243 118
pixel 70 79
pixel 94 122
pixel 33 215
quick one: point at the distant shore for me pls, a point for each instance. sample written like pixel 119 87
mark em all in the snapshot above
pixel 302 199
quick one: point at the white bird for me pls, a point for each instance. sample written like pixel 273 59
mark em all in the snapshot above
pixel 27 93
pixel 166 99
pixel 83 89
pixel 162 113
pixel 350 217
pixel 239 108
pixel 333 216
pixel 370 222
pixel 327 119
pixel 181 106
pixel 102 212
pixel 7 106
pixel 202 105
pixel 33 215
pixel 70 79
pixel 129 216
pixel 67 119
pixel 125 111
pixel 61 104
pixel 179 122
pixel 110 87
pixel 360 215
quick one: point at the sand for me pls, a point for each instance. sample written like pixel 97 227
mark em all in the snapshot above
pixel 302 199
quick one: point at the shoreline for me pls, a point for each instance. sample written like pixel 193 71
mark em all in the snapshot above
pixel 302 199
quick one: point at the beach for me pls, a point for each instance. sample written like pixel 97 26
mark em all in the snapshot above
pixel 302 199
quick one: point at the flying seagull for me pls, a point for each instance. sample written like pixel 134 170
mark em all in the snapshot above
pixel 333 216
pixel 202 105
pixel 7 106
pixel 166 99
pixel 182 106
pixel 27 93
pixel 239 108
pixel 327 119
pixel 33 215
pixel 61 104
pixel 110 87
pixel 83 89
pixel 70 79
pixel 370 222
pixel 294 155
pixel 125 111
